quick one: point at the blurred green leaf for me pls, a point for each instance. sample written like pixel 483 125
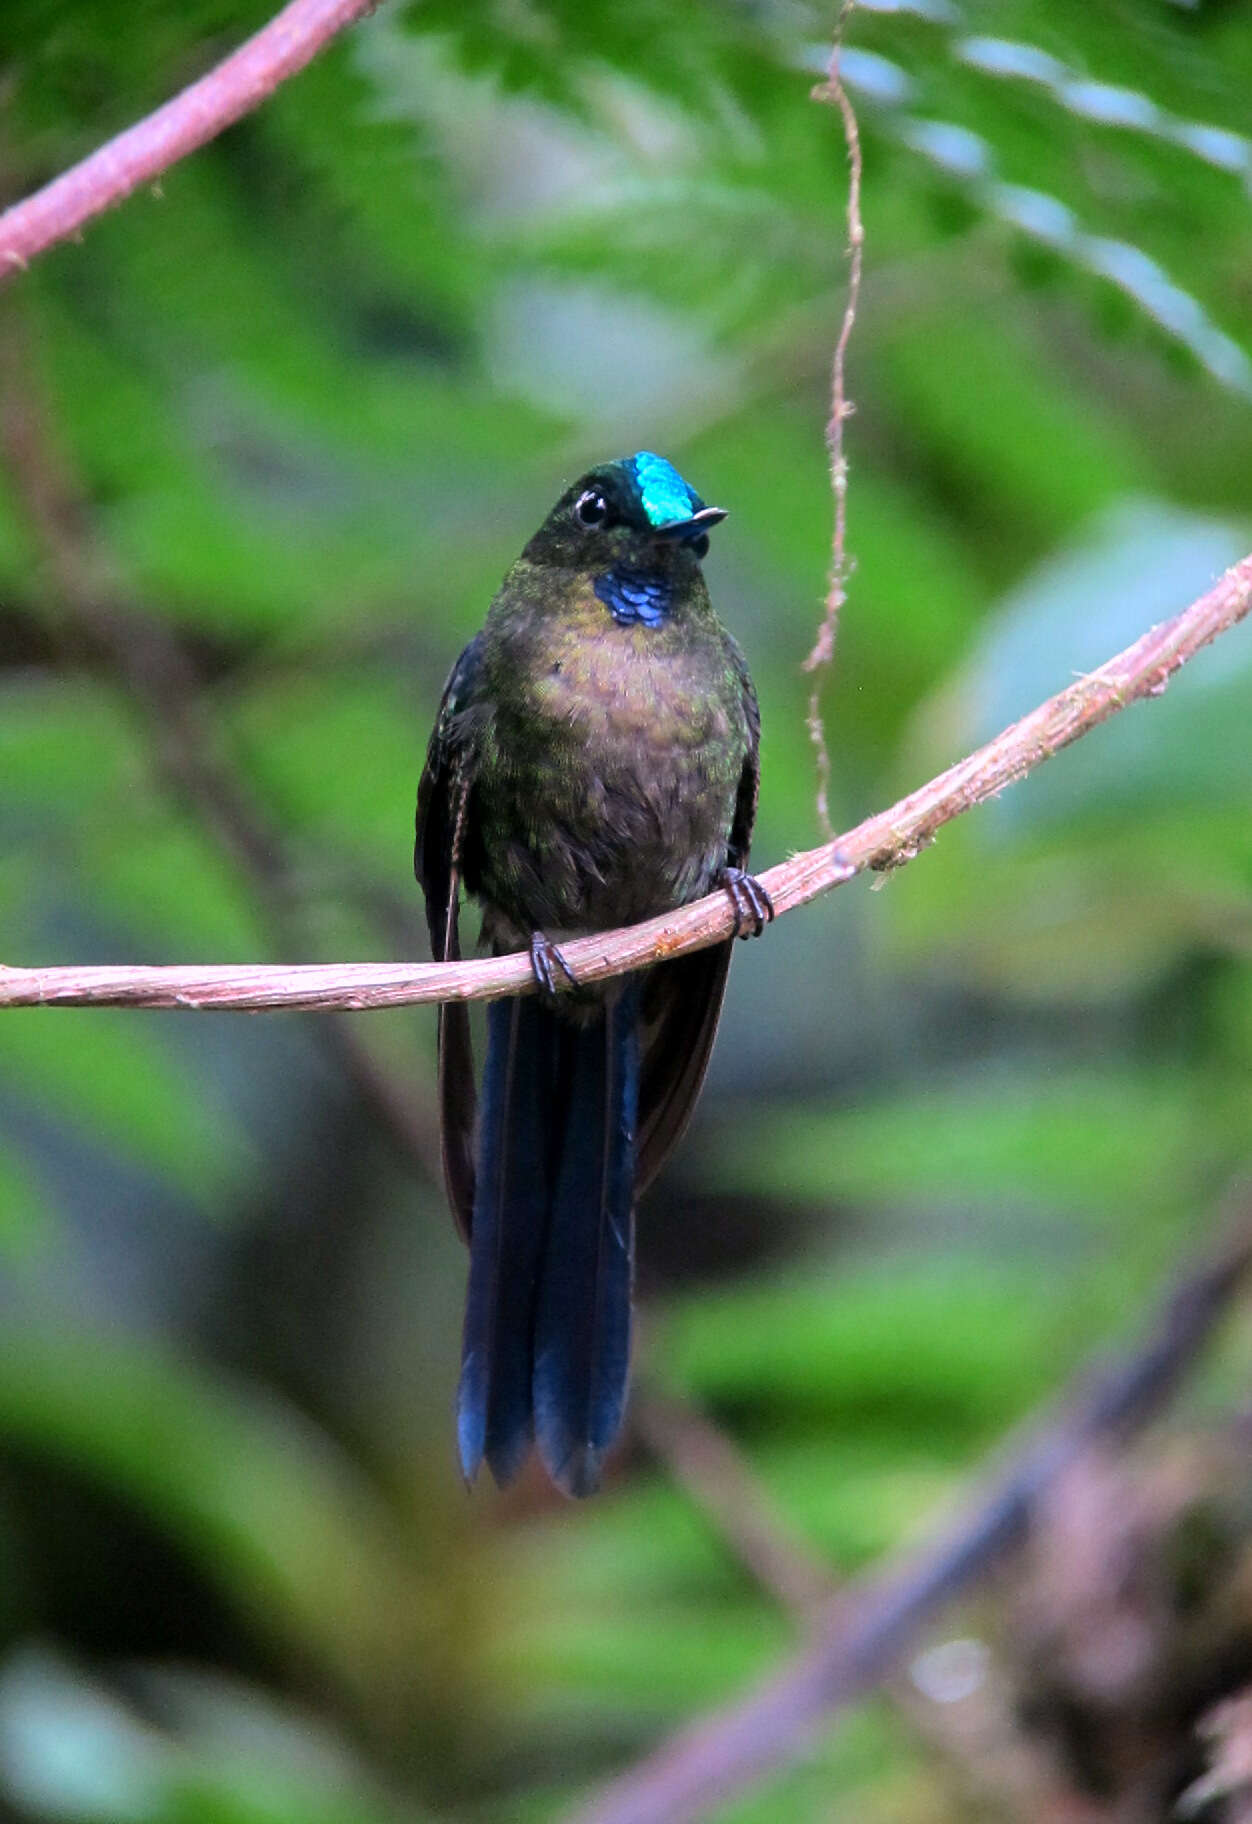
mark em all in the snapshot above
pixel 1082 1144
pixel 272 1510
pixel 71 1750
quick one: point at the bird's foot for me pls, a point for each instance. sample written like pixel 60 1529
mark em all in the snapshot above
pixel 752 904
pixel 545 960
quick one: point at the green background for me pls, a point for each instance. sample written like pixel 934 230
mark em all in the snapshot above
pixel 272 433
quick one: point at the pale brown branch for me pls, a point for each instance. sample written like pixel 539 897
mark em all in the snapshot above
pixel 137 156
pixel 869 1626
pixel 887 840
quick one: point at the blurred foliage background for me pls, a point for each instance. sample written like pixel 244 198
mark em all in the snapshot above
pixel 271 434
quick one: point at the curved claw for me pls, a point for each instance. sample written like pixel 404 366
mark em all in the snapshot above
pixel 752 904
pixel 545 960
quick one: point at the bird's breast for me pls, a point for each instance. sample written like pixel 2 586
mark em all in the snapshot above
pixel 636 692
pixel 614 775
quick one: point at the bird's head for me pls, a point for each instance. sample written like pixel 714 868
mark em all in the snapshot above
pixel 638 512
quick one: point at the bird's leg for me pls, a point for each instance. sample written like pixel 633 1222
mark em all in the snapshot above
pixel 545 959
pixel 752 904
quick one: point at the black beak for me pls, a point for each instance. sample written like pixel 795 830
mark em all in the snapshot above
pixel 687 531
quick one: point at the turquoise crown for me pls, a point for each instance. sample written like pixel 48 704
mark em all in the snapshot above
pixel 665 495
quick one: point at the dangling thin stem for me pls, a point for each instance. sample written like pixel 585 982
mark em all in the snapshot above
pixel 822 655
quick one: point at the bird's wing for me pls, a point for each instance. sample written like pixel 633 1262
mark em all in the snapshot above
pixel 682 1000
pixel 443 810
pixel 750 778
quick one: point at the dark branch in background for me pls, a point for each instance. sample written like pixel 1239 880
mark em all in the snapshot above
pixel 983 1743
pixel 822 656
pixel 888 840
pixel 866 1630
pixel 147 662
pixel 140 154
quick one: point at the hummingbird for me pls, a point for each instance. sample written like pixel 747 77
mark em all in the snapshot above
pixel 594 763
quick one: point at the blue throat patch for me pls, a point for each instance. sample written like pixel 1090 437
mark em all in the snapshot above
pixel 665 495
pixel 635 597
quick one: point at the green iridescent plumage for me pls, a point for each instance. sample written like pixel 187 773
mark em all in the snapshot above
pixel 594 763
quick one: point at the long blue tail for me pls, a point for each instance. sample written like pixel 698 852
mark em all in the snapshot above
pixel 547 1320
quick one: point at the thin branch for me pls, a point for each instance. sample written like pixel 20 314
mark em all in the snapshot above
pixel 888 840
pixel 821 657
pixel 721 1484
pixel 137 156
pixel 870 1626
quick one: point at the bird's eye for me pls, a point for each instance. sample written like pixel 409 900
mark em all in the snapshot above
pixel 592 508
